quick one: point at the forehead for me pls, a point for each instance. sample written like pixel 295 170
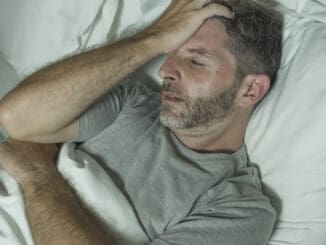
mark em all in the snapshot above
pixel 211 36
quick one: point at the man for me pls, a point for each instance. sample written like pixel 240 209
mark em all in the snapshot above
pixel 178 156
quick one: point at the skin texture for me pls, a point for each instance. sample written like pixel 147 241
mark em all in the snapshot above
pixel 201 75
pixel 212 108
pixel 68 88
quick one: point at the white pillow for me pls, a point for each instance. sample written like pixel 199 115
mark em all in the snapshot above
pixel 8 78
pixel 316 10
pixel 310 9
pixel 295 5
pixel 36 32
pixel 285 137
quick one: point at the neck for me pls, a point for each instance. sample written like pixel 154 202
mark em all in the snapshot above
pixel 223 137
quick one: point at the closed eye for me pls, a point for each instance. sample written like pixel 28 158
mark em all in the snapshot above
pixel 197 63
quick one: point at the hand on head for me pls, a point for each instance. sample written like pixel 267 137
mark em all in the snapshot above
pixel 181 20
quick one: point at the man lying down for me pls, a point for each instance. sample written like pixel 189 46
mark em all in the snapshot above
pixel 178 155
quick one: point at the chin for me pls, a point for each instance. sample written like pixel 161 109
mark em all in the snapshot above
pixel 170 120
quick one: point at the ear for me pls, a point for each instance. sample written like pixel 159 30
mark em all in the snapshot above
pixel 253 88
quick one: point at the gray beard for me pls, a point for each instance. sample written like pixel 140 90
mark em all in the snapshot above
pixel 201 112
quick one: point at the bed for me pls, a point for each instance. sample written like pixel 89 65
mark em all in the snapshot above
pixel 285 136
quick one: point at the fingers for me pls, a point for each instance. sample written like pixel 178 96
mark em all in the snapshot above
pixel 206 8
pixel 198 4
pixel 214 9
pixel 182 19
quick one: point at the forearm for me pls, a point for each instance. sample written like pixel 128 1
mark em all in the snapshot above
pixel 52 98
pixel 56 217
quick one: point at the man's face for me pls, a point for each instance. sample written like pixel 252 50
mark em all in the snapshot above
pixel 198 88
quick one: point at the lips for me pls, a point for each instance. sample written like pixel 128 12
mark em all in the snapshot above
pixel 167 96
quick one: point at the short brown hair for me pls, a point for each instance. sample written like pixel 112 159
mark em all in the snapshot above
pixel 255 36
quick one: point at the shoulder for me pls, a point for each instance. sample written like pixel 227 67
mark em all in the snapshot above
pixel 240 204
pixel 229 213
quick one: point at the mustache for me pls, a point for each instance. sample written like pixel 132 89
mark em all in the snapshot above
pixel 168 87
pixel 171 88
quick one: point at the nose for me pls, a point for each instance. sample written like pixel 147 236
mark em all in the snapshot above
pixel 170 69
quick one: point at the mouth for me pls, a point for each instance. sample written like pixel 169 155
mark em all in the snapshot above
pixel 170 97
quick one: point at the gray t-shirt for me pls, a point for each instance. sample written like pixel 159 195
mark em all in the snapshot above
pixel 180 196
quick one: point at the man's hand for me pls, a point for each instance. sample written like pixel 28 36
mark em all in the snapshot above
pixel 182 19
pixel 25 161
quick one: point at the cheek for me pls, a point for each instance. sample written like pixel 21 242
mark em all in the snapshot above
pixel 196 93
pixel 198 82
pixel 228 76
pixel 205 90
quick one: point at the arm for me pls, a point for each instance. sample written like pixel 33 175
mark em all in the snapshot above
pixel 48 102
pixel 45 106
pixel 55 216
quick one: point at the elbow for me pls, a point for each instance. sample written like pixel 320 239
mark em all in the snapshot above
pixel 11 124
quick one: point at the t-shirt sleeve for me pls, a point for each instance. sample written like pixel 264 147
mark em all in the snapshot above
pixel 104 112
pixel 228 221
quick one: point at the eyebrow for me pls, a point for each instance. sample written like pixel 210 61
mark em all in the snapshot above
pixel 199 51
